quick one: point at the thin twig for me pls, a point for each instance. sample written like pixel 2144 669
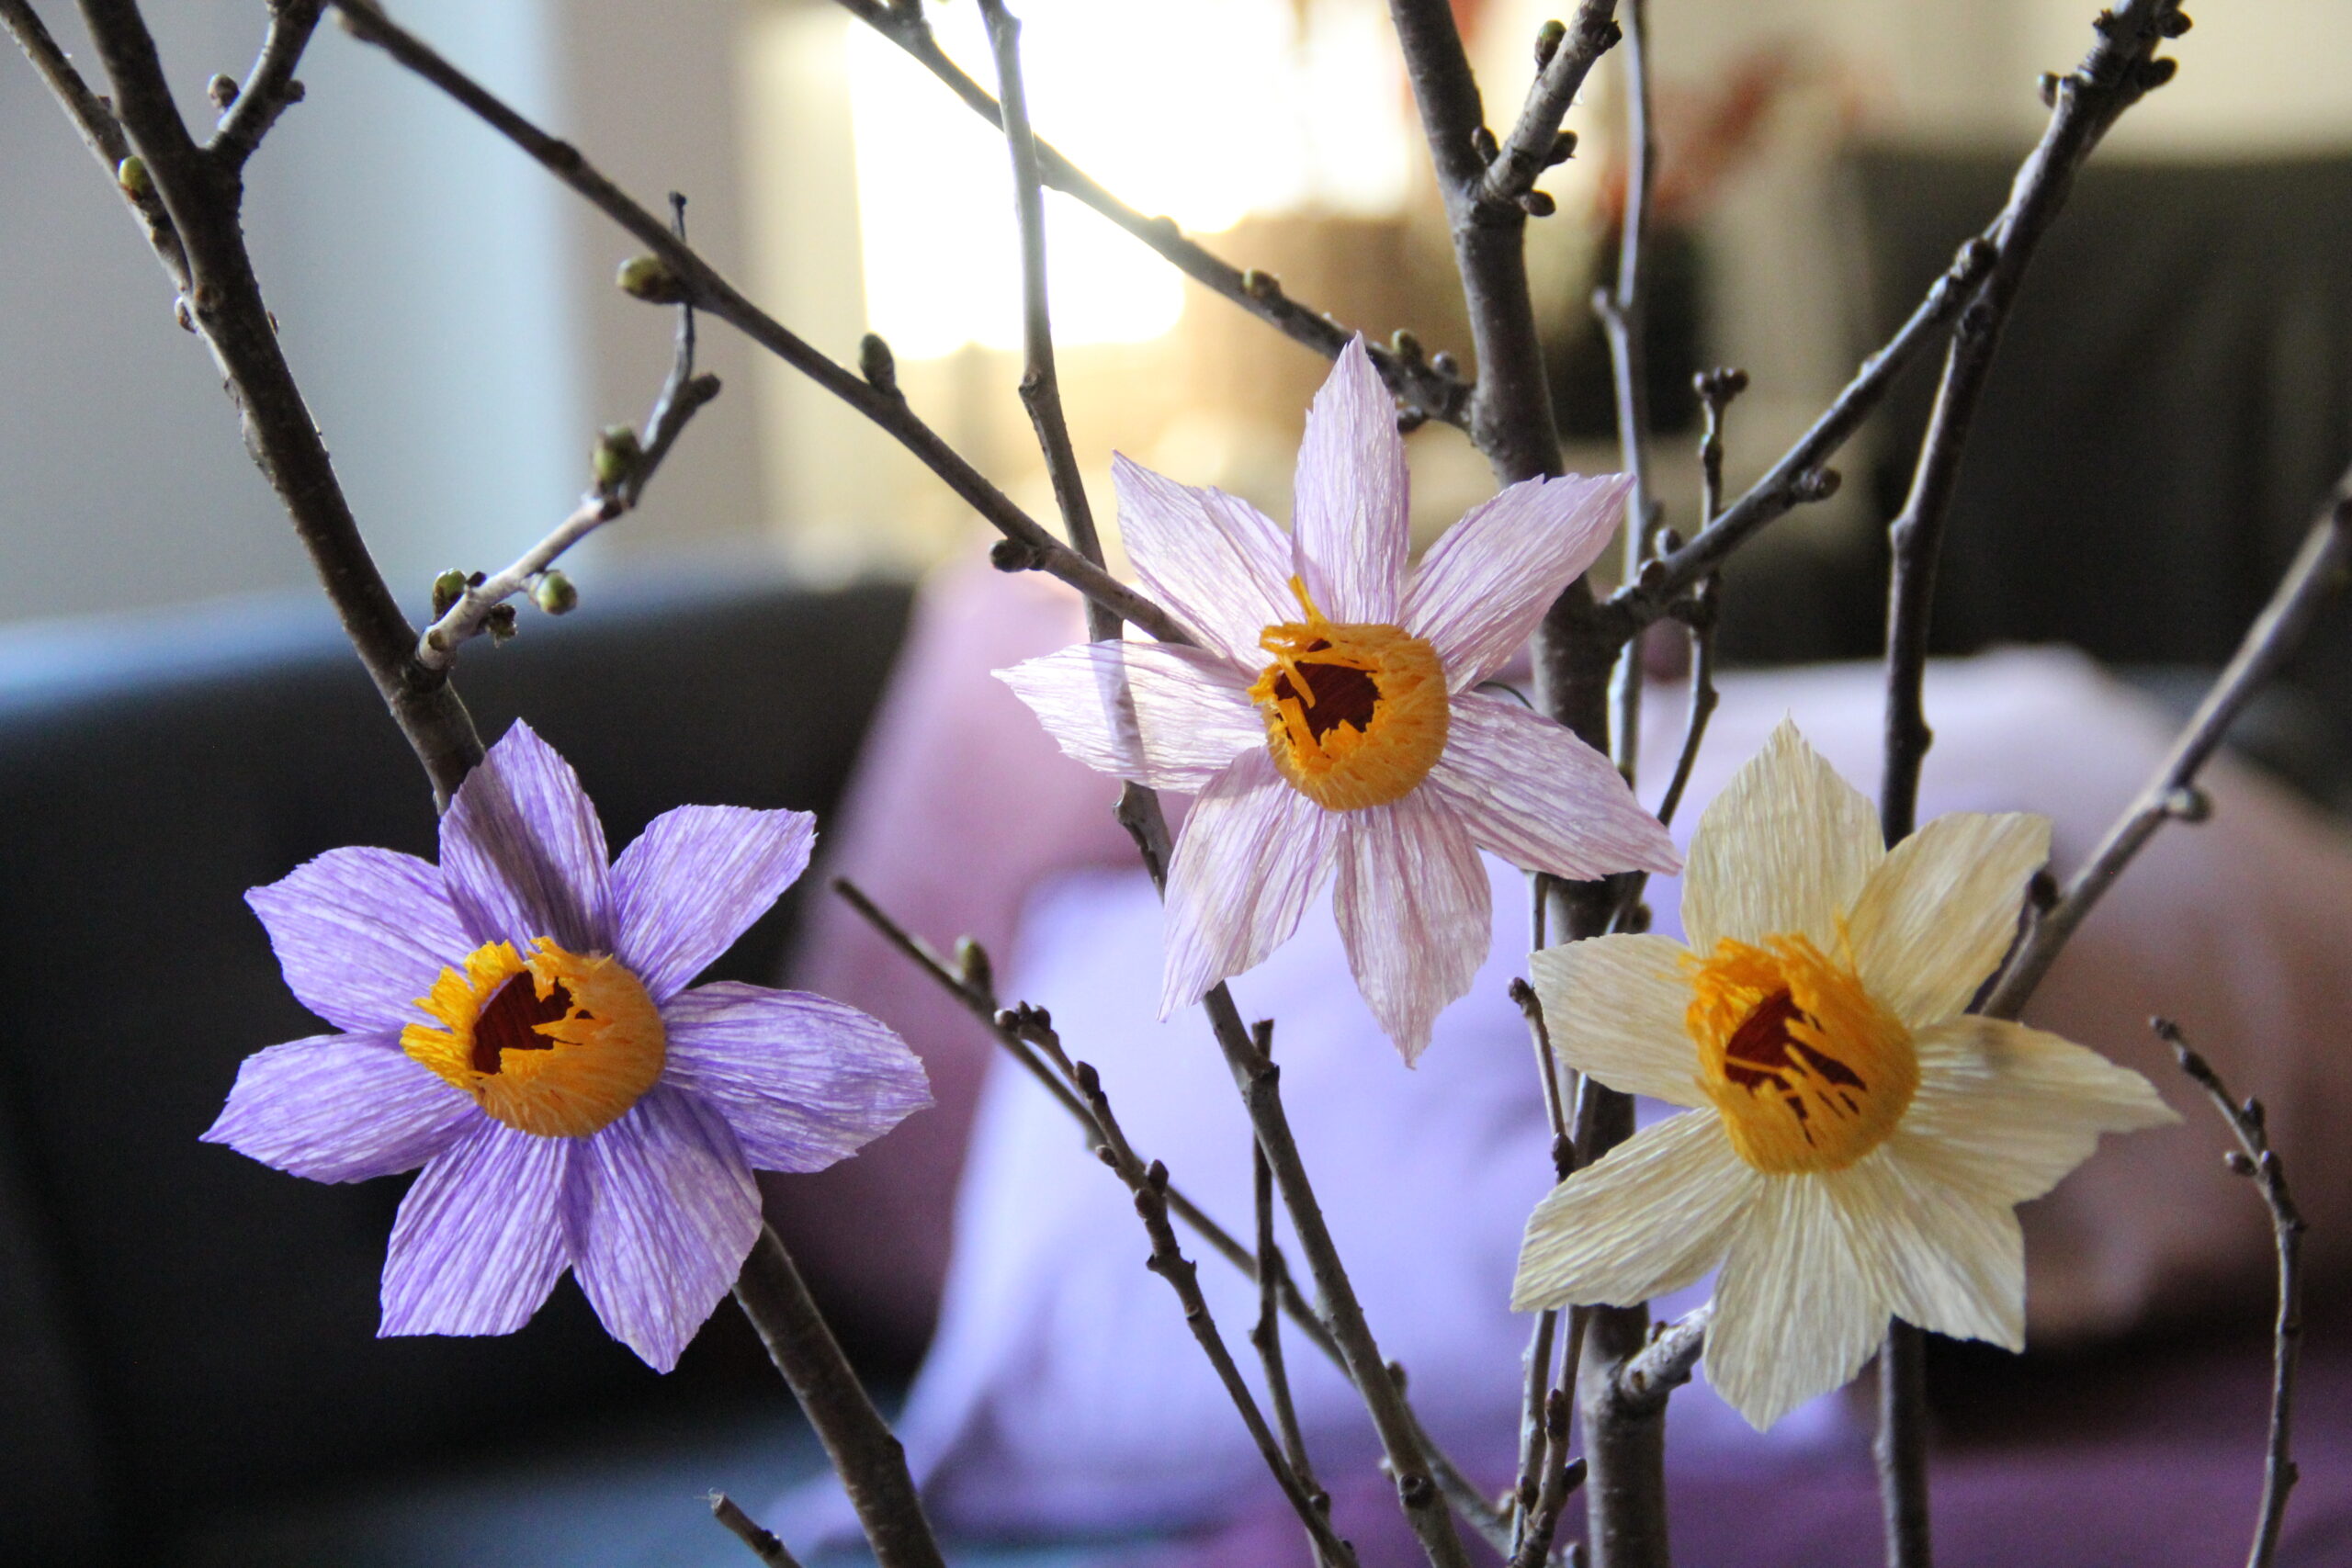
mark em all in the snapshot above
pixel 865 1452
pixel 2255 1159
pixel 100 131
pixel 745 1529
pixel 2120 68
pixel 1701 610
pixel 2172 795
pixel 1561 1480
pixel 1623 311
pixel 269 89
pixel 222 300
pixel 1668 1361
pixel 1028 545
pixel 1564 58
pixel 1428 386
pixel 616 491
pixel 1801 476
pixel 1266 1334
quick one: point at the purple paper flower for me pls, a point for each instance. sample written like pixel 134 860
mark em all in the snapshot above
pixel 516 1023
pixel 1328 720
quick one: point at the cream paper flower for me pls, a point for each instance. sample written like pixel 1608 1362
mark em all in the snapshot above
pixel 1856 1143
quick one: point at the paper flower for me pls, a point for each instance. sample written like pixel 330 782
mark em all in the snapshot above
pixel 1327 718
pixel 1855 1145
pixel 516 1022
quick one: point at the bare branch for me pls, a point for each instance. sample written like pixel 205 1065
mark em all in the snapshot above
pixel 1624 314
pixel 1028 545
pixel 269 89
pixel 2255 1159
pixel 1429 388
pixel 763 1543
pixel 2172 794
pixel 865 1452
pixel 1266 1334
pixel 1564 58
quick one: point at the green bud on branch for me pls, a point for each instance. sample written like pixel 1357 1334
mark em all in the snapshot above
pixel 554 593
pixel 650 279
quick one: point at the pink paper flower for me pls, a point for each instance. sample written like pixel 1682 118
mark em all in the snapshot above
pixel 517 1021
pixel 1327 718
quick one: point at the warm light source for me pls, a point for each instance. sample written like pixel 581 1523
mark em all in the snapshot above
pixel 1205 110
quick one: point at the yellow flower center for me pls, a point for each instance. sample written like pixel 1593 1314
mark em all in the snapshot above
pixel 555 1043
pixel 1355 713
pixel 1809 1072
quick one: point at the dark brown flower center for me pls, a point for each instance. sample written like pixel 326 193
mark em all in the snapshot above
pixel 1335 694
pixel 508 1020
pixel 1762 1049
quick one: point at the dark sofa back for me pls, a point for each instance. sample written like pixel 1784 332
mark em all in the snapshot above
pixel 181 1328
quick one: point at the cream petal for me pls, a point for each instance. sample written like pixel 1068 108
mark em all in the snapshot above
pixel 1217 563
pixel 1615 1006
pixel 1348 517
pixel 1795 1315
pixel 1940 1255
pixel 1167 717
pixel 1941 910
pixel 1414 909
pixel 2005 1111
pixel 1650 1216
pixel 1252 854
pixel 1787 847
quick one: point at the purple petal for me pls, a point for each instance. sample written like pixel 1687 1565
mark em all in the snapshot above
pixel 339 1108
pixel 661 1211
pixel 804 1081
pixel 1415 911
pixel 479 1243
pixel 1348 522
pixel 361 933
pixel 1482 587
pixel 694 880
pixel 523 854
pixel 1213 560
pixel 1167 717
pixel 1252 854
pixel 1544 800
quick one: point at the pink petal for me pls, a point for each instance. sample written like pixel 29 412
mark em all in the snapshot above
pixel 694 880
pixel 1480 590
pixel 1252 854
pixel 479 1243
pixel 1177 720
pixel 361 933
pixel 1348 522
pixel 803 1082
pixel 660 1211
pixel 1542 799
pixel 522 853
pixel 1415 910
pixel 1213 561
pixel 340 1108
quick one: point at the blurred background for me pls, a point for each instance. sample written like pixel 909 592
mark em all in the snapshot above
pixel 184 1351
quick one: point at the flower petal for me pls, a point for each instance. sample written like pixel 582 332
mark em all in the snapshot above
pixel 804 1081
pixel 1252 854
pixel 1795 1317
pixel 1942 908
pixel 1937 1254
pixel 361 933
pixel 1213 560
pixel 479 1243
pixel 1615 1007
pixel 1785 849
pixel 339 1108
pixel 2005 1111
pixel 1479 590
pixel 1347 520
pixel 694 880
pixel 1415 910
pixel 1544 800
pixel 523 854
pixel 660 1212
pixel 1650 1216
pixel 1181 718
